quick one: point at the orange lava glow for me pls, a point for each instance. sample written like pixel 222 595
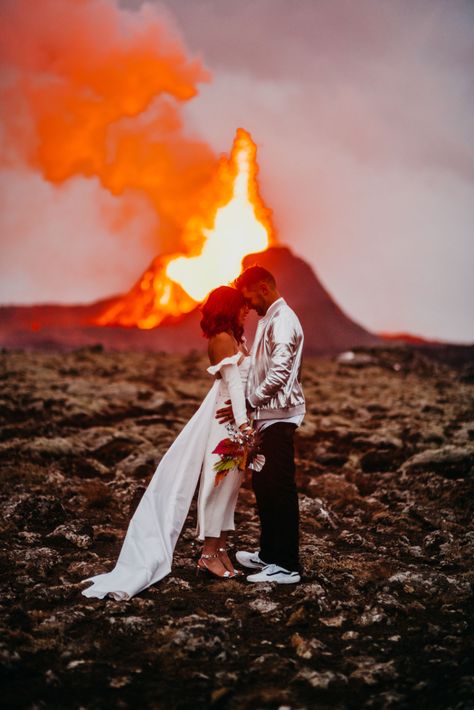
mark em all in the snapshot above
pixel 235 223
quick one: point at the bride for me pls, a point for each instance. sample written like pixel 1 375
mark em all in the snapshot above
pixel 147 551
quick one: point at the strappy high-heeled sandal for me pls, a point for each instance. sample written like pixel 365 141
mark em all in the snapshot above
pixel 204 568
pixel 237 572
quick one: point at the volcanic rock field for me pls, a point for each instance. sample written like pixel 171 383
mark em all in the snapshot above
pixel 383 615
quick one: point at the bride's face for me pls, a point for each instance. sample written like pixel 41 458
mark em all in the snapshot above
pixel 243 313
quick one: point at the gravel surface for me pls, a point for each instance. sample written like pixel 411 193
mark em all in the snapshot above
pixel 382 617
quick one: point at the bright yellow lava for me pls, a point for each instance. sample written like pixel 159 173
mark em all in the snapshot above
pixel 236 232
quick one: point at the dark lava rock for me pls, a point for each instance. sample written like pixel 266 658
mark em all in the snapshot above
pixel 36 511
pixel 73 534
pixel 383 615
pixel 379 460
pixel 450 461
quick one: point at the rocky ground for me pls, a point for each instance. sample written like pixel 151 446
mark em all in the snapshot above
pixel 382 617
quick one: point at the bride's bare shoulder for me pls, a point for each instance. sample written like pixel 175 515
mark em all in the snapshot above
pixel 220 346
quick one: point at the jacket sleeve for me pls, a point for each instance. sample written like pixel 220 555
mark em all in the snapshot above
pixel 231 376
pixel 279 371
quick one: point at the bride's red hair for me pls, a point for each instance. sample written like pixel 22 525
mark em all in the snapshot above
pixel 220 312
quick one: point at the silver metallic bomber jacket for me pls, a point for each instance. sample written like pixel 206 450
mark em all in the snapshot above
pixel 273 386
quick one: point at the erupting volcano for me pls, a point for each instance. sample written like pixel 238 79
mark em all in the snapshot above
pixel 102 101
pixel 241 224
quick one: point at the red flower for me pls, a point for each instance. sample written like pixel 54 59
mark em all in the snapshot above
pixel 227 447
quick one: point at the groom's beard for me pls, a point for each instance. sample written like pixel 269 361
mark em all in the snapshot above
pixel 260 309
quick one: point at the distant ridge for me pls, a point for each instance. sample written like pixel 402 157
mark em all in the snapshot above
pixel 328 330
pixel 408 338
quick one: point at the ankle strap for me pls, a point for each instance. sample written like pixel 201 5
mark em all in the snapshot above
pixel 208 557
pixel 221 549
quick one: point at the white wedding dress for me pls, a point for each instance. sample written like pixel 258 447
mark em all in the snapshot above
pixel 147 551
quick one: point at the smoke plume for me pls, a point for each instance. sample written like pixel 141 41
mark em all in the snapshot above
pixel 92 90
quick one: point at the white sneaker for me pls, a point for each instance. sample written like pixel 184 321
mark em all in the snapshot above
pixel 274 573
pixel 250 559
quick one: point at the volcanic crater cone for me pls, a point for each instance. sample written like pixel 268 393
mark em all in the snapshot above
pixel 327 328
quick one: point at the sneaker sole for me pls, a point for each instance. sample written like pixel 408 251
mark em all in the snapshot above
pixel 294 580
pixel 291 580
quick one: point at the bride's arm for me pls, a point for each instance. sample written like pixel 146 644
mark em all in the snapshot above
pixel 222 346
pixel 231 376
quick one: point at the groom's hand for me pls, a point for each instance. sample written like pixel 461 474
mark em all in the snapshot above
pixel 224 415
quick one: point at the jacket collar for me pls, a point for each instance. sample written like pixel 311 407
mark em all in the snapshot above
pixel 271 310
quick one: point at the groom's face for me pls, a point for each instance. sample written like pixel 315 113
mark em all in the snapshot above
pixel 255 298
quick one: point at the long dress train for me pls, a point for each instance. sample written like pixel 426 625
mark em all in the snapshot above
pixel 147 551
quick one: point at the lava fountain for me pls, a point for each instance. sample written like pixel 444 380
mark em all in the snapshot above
pixel 240 224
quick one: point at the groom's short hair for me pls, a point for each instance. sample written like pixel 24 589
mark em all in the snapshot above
pixel 254 275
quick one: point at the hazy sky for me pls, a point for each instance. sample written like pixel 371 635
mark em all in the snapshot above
pixel 363 113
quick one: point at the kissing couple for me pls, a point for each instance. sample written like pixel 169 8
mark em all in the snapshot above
pixel 258 396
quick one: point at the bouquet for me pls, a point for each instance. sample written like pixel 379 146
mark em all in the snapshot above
pixel 238 451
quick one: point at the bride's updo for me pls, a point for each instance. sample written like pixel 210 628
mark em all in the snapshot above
pixel 220 312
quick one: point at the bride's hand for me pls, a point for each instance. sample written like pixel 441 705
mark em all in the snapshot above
pixel 249 433
pixel 246 428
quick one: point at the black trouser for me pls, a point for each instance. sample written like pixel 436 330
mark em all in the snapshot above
pixel 277 498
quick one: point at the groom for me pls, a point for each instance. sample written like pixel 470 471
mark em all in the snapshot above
pixel 276 403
